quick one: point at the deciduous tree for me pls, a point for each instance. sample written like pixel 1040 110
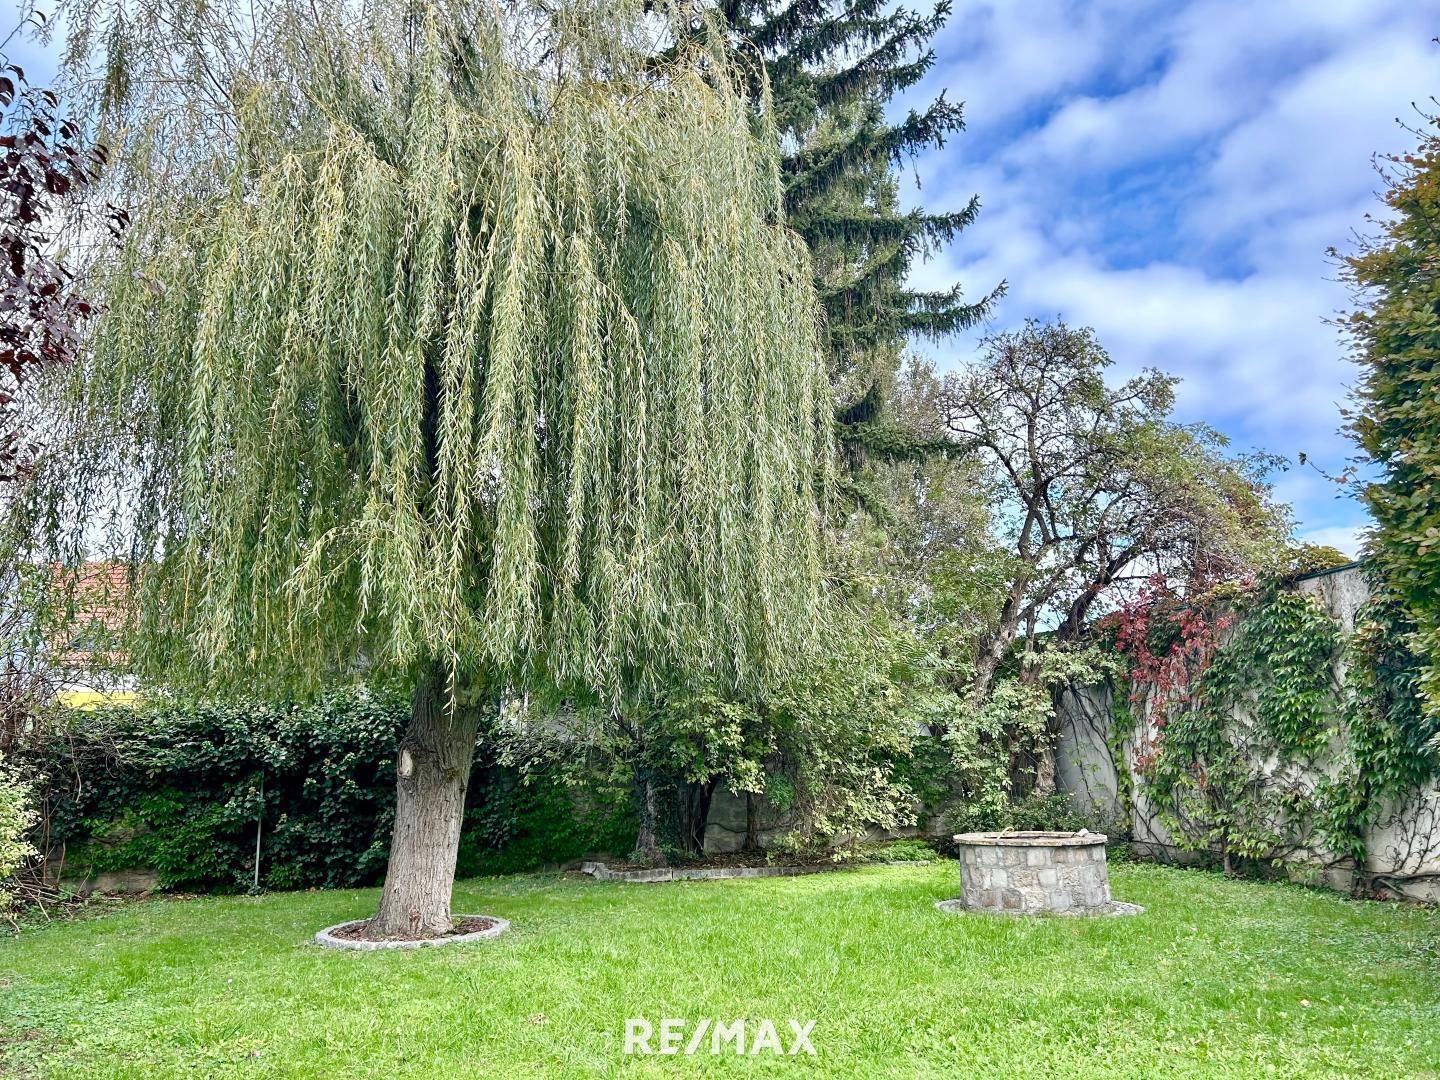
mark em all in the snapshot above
pixel 47 168
pixel 454 341
pixel 1100 489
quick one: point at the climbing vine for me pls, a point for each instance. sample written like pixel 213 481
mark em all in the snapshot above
pixel 1391 748
pixel 1251 748
pixel 1168 644
pixel 1395 330
pixel 1229 769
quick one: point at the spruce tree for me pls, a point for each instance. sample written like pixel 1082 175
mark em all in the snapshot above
pixel 831 68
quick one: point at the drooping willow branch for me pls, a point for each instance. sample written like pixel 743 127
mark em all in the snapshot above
pixel 455 356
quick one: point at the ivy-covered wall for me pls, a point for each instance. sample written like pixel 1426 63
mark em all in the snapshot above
pixel 1298 747
pixel 176 795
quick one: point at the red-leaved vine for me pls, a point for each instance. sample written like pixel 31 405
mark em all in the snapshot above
pixel 1169 643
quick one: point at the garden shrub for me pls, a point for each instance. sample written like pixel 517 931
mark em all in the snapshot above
pixel 16 817
pixel 520 825
pixel 909 850
pixel 180 788
pixel 1035 812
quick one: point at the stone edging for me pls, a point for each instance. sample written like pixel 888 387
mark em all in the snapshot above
pixel 327 936
pixel 1113 908
pixel 602 872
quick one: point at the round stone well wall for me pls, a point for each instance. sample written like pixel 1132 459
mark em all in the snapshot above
pixel 1033 873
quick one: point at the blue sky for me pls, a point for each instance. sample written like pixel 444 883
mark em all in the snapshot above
pixel 1171 173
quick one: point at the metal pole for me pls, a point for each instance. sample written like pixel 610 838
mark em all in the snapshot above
pixel 259 824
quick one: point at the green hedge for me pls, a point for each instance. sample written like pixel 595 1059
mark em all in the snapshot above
pixel 517 826
pixel 180 788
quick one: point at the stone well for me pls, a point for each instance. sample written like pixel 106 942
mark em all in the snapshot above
pixel 1034 873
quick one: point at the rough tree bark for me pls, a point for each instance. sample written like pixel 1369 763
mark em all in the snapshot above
pixel 1046 770
pixel 752 821
pixel 698 797
pixel 647 841
pixel 432 771
pixel 996 645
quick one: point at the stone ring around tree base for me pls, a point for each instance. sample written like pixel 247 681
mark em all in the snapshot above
pixel 1114 907
pixel 327 936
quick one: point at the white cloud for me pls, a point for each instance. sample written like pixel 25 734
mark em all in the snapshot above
pixel 1009 58
pixel 1172 175
pixel 1298 176
pixel 1347 539
pixel 1202 67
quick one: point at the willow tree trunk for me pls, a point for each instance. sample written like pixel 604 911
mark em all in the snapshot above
pixel 432 771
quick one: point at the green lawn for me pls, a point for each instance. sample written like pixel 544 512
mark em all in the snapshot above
pixel 1217 978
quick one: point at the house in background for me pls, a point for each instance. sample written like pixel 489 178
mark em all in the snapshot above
pixel 84 656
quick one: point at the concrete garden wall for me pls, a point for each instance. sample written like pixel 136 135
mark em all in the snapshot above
pixel 1095 762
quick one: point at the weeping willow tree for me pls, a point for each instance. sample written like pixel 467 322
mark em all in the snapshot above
pixel 458 341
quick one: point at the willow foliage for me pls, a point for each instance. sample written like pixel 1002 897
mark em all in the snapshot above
pixel 470 335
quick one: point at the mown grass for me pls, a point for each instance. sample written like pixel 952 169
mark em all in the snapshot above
pixel 1217 978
